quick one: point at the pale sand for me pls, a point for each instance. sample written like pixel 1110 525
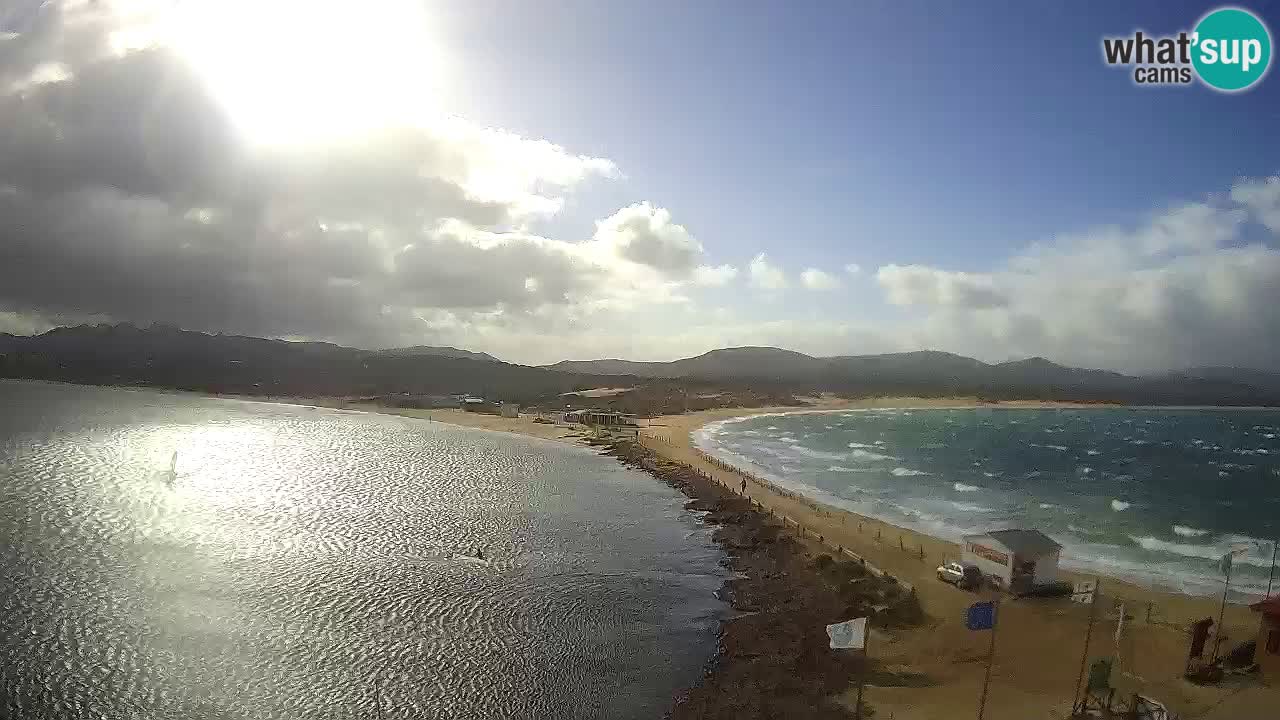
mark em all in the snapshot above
pixel 1039 642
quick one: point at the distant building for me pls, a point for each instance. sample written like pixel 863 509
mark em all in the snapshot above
pixel 605 418
pixel 1021 559
pixel 1267 653
pixel 510 410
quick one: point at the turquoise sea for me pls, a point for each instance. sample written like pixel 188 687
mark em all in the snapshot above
pixel 1152 495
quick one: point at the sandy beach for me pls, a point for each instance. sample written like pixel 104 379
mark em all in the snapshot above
pixel 1040 640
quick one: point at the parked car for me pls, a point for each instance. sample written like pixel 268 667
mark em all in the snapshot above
pixel 965 577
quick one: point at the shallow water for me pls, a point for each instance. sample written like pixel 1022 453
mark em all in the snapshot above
pixel 303 562
pixel 1156 496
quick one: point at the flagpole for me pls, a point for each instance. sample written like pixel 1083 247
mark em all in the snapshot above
pixel 991 654
pixel 1084 656
pixel 1217 641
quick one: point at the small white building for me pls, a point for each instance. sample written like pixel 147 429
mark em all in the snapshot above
pixel 1021 559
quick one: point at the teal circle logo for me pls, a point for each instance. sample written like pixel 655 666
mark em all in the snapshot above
pixel 1232 49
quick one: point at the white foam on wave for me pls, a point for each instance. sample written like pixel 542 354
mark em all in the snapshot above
pixel 1270 436
pixel 961 487
pixel 1120 505
pixel 787 439
pixel 1259 554
pixel 772 427
pixel 816 454
pixel 860 445
pixel 1188 532
pixel 841 468
pixel 867 455
pixel 907 472
pixel 971 507
pixel 1047 506
pixel 1085 470
pixel 990 474
pixel 1092 452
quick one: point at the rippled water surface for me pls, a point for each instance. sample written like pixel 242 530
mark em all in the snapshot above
pixel 311 562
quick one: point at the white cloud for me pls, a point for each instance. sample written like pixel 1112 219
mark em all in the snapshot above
pixel 853 268
pixel 1262 199
pixel 644 234
pixel 815 279
pixel 1194 285
pixel 921 285
pixel 764 275
pixel 717 276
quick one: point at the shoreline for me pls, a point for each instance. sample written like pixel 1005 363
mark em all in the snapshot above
pixel 773 658
pixel 917 671
pixel 1039 658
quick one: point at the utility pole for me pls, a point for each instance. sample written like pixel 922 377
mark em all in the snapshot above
pixel 1222 612
pixel 862 676
pixel 1272 576
pixel 991 656
pixel 1084 656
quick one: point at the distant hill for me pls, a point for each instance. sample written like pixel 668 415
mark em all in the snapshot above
pixel 764 363
pixel 170 357
pixel 441 351
pixel 1262 379
pixel 934 373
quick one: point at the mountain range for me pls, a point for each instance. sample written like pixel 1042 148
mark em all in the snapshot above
pixel 170 357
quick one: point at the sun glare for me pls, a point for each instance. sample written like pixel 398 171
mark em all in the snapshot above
pixel 291 71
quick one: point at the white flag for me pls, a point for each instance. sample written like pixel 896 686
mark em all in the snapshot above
pixel 849 634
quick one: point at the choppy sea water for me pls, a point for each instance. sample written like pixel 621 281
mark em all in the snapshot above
pixel 1156 496
pixel 309 563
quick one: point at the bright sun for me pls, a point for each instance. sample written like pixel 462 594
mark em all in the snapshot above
pixel 292 71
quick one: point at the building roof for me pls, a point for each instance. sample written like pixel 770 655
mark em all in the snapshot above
pixel 1270 606
pixel 1025 542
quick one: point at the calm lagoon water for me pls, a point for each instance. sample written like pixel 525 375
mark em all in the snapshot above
pixel 311 562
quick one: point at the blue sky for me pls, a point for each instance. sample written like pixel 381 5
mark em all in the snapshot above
pixel 555 180
pixel 877 131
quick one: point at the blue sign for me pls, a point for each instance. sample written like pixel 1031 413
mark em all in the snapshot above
pixel 981 616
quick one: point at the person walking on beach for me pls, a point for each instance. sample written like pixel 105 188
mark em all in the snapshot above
pixel 744 486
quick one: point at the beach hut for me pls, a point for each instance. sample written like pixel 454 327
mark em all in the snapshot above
pixel 1022 559
pixel 510 410
pixel 1267 652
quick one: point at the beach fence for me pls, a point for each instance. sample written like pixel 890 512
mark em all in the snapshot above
pixel 789 522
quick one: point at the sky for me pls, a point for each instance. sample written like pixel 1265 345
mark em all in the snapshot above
pixel 572 180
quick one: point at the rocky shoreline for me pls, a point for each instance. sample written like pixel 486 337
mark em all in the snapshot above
pixel 773 659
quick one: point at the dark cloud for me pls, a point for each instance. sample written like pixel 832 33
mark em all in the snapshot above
pixel 127 193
